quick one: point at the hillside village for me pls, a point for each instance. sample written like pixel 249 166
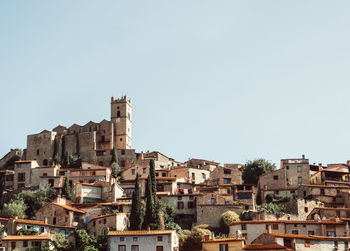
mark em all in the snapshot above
pixel 98 193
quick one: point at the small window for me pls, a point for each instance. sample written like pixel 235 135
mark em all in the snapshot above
pixel 134 247
pixel 121 139
pixel 244 227
pixel 121 248
pixel 179 197
pixel 204 176
pixel 163 174
pixel 322 191
pixel 295 225
pixel 13 245
pixel 300 180
pixel 37 152
pixel 104 221
pixel 299 169
pixel 122 239
pixel 134 238
pixel 212 201
pixel 123 152
pixel 311 233
pixel 25 244
pixel 190 204
pixel 295 232
pixel 159 238
pixel 223 247
pixel 132 171
pixel 180 205
pixel 193 176
pixel 275 177
pixel 122 163
pixel 190 197
pixel 143 170
pixel 275 226
pixel 306 209
pixel 307 243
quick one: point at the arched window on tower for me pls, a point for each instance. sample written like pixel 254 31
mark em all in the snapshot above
pixel 118 114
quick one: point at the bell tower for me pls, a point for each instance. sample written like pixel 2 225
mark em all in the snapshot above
pixel 121 116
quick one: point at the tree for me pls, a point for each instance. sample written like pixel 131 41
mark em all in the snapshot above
pixel 66 189
pixel 191 240
pixel 226 219
pixel 136 215
pixel 13 209
pixel 152 173
pixel 23 231
pixel 254 169
pixel 59 242
pixel 115 164
pixel 84 241
pixel 150 214
pixel 36 199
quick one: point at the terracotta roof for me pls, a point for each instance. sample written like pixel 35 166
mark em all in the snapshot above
pixel 26 237
pixel 310 237
pixel 105 216
pixel 333 208
pixel 140 232
pixel 228 239
pixel 271 246
pixel 115 203
pixel 34 222
pixel 68 207
pixel 287 222
pixel 24 161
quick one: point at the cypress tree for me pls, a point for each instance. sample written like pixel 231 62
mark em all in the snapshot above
pixel 115 164
pixel 150 206
pixel 66 189
pixel 152 173
pixel 136 208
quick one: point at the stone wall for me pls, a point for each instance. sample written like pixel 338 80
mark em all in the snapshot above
pixel 210 214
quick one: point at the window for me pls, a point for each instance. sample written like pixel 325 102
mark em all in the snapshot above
pixel 223 247
pixel 212 201
pixel 13 245
pixel 179 197
pixel 227 202
pixel 227 181
pixel 133 171
pixel 134 247
pixel 159 248
pixel 163 174
pixel 287 167
pixel 42 229
pixel 120 139
pixel 299 169
pixel 144 170
pixel 346 244
pixel 134 238
pixel 300 180
pixel 295 232
pixel 37 152
pixel 204 176
pixel 215 182
pixel 275 177
pixel 311 233
pixel 122 238
pixel 21 177
pixel 118 114
pixel 123 152
pixel 227 171
pixel 322 191
pixel 159 238
pixel 295 225
pixel 193 176
pixel 190 197
pixel 307 243
pixel 121 248
pixel 331 233
pixel 190 204
pixel 122 163
pixel 25 244
pixel 244 227
pixel 275 226
pixel 180 205
pixel 94 223
pixel 45 174
pixel 104 221
pixel 306 209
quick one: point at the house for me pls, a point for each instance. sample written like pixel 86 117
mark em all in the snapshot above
pixel 250 230
pixel 102 224
pixel 223 244
pixel 190 175
pixel 139 240
pixel 227 174
pixel 22 242
pixel 60 213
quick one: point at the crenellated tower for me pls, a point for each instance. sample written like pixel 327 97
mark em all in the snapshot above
pixel 121 116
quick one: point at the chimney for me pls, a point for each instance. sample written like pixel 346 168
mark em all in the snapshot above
pixel 45 220
pixel 320 166
pixel 148 228
pixel 303 156
pixel 269 229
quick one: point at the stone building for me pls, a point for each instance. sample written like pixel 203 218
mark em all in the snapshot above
pixel 102 224
pixel 90 141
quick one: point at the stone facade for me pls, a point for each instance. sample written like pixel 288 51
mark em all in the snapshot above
pixel 210 214
pixel 101 224
pixel 190 175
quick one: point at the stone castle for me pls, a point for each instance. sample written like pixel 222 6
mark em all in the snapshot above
pixel 92 142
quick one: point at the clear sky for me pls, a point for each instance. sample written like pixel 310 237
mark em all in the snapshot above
pixel 222 80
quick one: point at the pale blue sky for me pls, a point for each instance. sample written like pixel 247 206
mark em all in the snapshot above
pixel 221 80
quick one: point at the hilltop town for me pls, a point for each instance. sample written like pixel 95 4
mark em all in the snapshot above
pixel 84 187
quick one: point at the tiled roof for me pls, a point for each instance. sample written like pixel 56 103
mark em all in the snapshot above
pixel 34 222
pixel 228 239
pixel 272 246
pixel 287 222
pixel 24 161
pixel 68 207
pixel 26 237
pixel 324 186
pixel 140 232
pixel 310 237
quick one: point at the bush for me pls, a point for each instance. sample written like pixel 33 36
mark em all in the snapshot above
pixel 13 209
pixel 271 208
pixel 191 240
